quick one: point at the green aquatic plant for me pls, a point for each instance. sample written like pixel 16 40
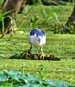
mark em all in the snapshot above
pixel 46 16
pixel 33 22
pixel 2 17
pixel 1 3
pixel 23 65
pixel 16 79
pixel 42 71
pixel 27 9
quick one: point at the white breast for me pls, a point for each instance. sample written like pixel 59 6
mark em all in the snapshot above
pixel 34 41
pixel 43 40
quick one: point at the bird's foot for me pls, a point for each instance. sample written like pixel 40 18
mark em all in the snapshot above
pixel 42 56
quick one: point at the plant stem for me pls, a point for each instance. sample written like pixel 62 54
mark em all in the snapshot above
pixel 2 25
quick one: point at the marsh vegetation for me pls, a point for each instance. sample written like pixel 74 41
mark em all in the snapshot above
pixel 51 20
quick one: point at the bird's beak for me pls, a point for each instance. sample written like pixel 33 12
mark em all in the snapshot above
pixel 39 39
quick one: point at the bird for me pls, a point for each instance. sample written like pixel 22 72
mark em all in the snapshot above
pixel 37 38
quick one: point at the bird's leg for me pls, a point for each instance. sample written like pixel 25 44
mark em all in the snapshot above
pixel 30 48
pixel 42 56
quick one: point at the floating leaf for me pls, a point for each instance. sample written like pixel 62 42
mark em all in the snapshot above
pixel 16 79
pixel 14 73
pixel 5 72
pixel 34 51
pixel 3 77
pixel 2 55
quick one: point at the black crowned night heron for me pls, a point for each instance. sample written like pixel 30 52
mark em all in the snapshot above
pixel 37 38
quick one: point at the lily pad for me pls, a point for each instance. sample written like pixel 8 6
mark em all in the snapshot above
pixel 3 77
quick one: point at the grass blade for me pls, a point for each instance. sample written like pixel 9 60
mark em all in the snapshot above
pixel 44 71
pixel 1 2
pixel 7 12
